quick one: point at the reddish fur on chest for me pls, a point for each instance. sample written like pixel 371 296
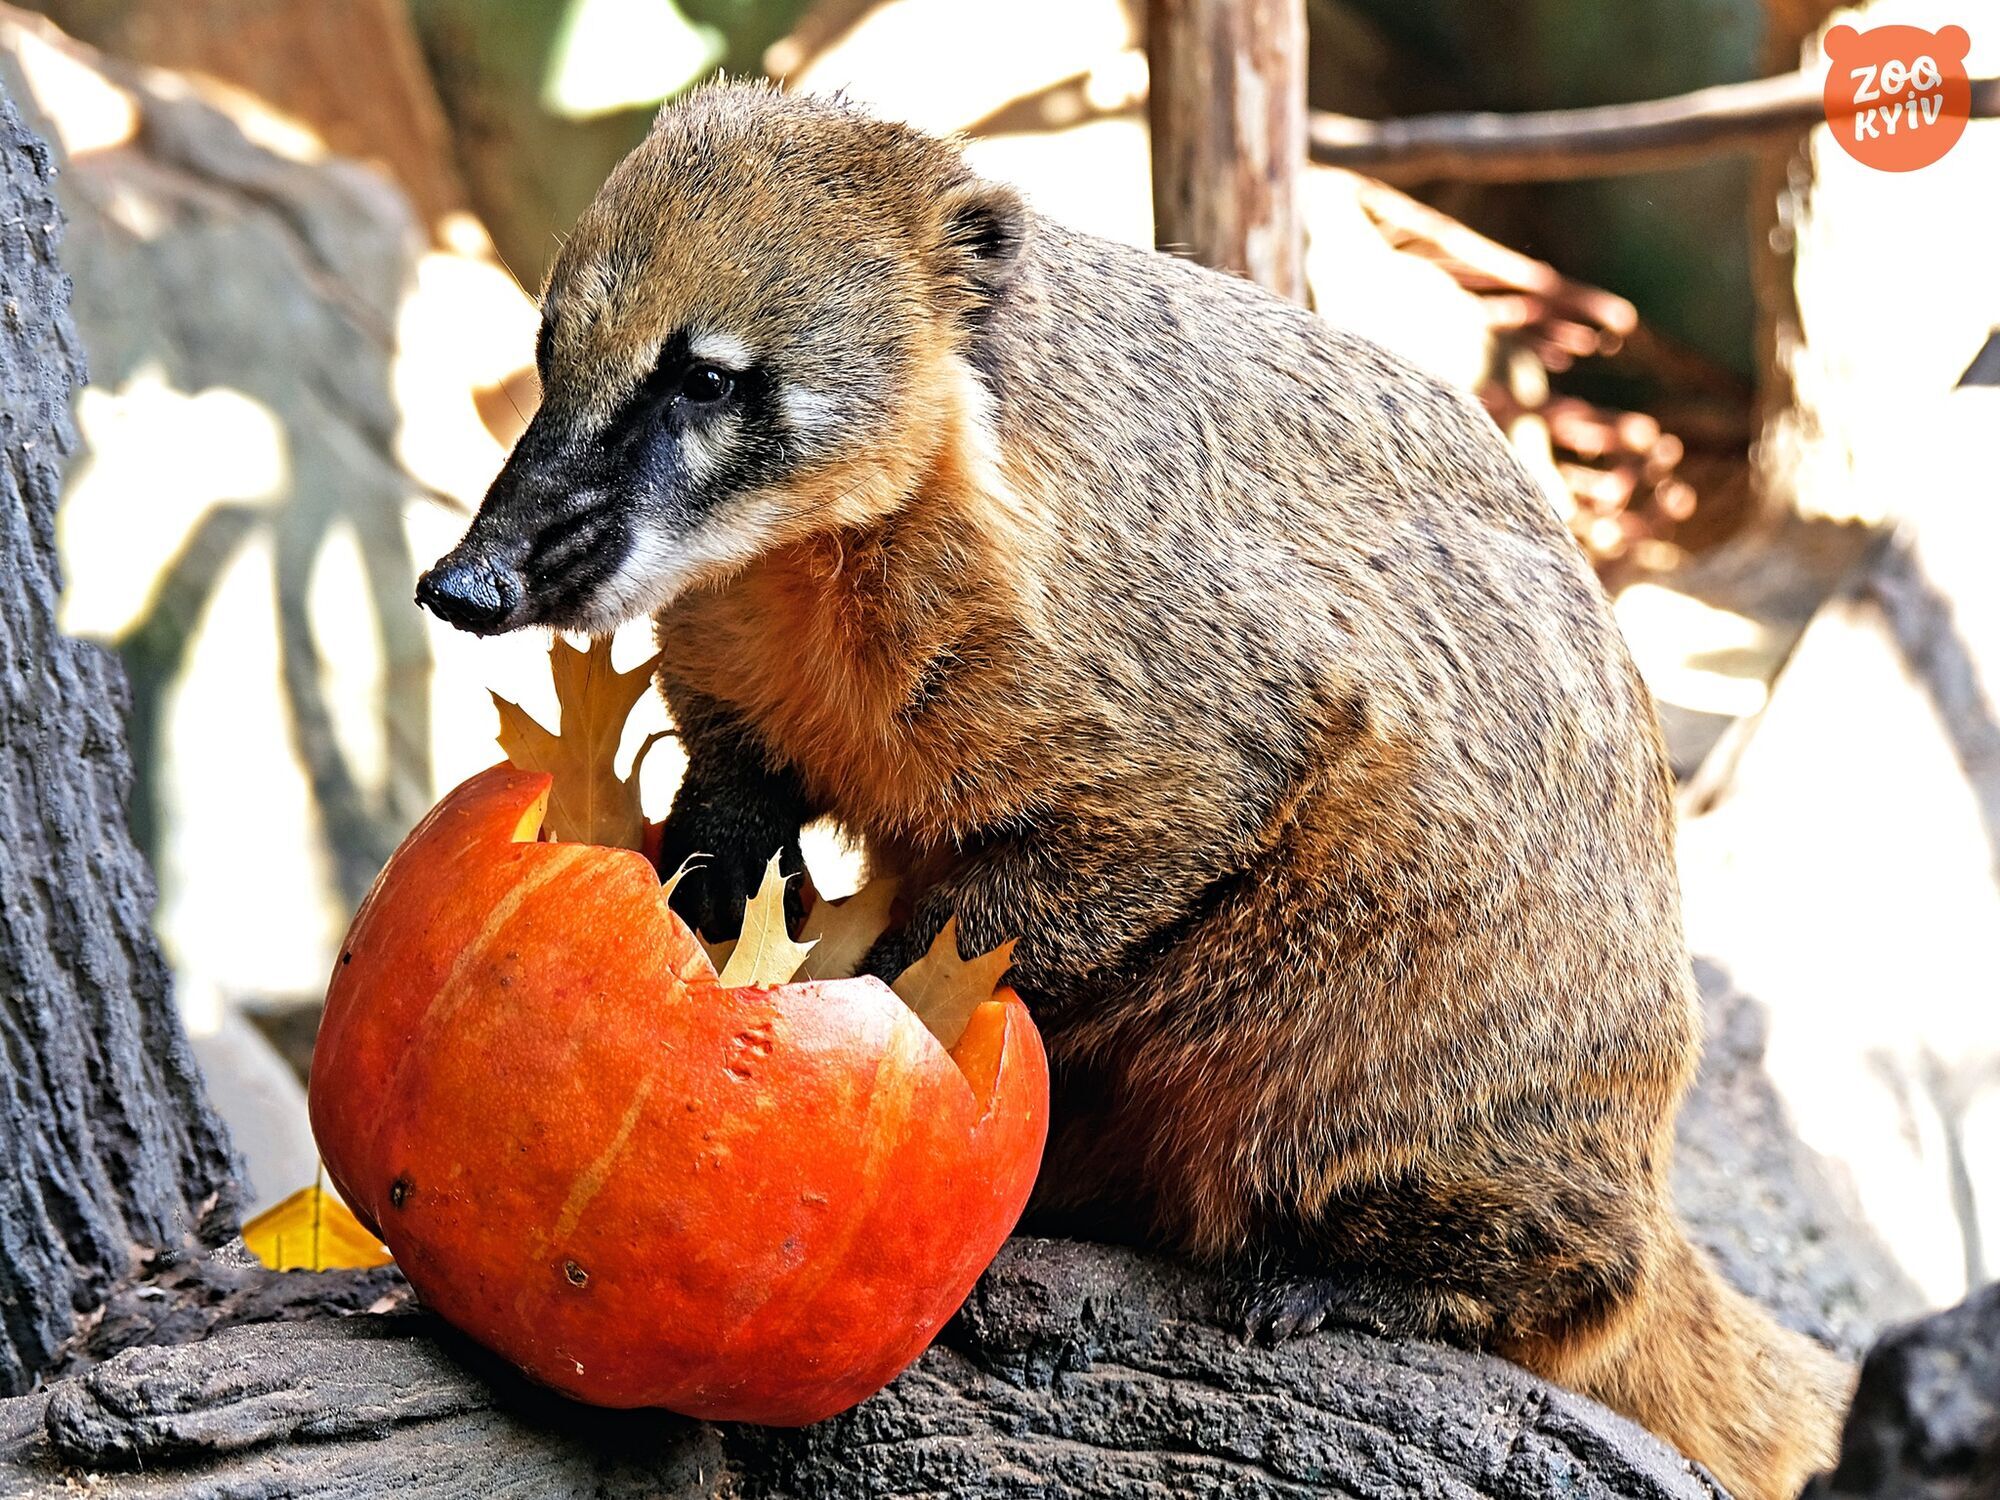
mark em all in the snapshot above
pixel 844 652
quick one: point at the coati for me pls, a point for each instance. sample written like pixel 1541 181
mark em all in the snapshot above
pixel 1225 660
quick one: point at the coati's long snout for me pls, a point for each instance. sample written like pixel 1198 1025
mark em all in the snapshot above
pixel 725 372
pixel 547 538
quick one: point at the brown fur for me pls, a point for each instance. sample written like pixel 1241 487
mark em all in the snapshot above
pixel 1237 669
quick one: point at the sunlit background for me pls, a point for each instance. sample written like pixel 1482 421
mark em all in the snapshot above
pixel 305 239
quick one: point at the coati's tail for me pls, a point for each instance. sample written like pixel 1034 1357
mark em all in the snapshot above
pixel 1704 1367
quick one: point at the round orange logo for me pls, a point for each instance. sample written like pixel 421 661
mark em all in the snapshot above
pixel 1897 97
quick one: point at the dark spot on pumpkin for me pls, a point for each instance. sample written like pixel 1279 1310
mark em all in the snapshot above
pixel 400 1190
pixel 346 959
pixel 576 1273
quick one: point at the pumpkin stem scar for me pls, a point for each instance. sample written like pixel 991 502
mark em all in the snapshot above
pixel 591 1180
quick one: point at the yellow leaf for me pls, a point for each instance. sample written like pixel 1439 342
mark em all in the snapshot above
pixel 589 802
pixel 765 953
pixel 312 1231
pixel 843 932
pixel 718 953
pixel 944 989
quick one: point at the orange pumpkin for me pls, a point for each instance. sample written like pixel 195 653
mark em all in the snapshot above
pixel 645 1189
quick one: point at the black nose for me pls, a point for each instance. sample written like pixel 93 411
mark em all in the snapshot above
pixel 472 595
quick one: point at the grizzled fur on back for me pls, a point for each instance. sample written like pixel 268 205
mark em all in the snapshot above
pixel 1232 665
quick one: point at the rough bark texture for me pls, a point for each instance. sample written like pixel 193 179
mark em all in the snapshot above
pixel 1075 1370
pixel 1228 113
pixel 111 1153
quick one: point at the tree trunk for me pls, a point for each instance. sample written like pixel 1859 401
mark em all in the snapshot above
pixel 1074 1372
pixel 1228 112
pixel 1780 177
pixel 112 1155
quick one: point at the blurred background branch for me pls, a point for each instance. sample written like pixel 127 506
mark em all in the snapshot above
pixel 1564 144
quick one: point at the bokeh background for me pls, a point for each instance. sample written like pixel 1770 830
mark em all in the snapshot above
pixel 306 236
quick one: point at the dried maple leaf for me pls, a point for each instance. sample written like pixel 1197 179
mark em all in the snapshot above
pixel 842 932
pixel 944 989
pixel 765 953
pixel 589 802
pixel 941 989
pixel 312 1231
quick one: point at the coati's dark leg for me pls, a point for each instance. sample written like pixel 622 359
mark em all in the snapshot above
pixel 734 810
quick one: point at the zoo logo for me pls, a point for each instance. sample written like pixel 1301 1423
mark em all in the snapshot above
pixel 1897 97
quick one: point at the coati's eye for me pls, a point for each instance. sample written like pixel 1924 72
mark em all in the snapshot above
pixel 705 385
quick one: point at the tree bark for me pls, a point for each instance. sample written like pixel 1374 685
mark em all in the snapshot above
pixel 1228 112
pixel 112 1155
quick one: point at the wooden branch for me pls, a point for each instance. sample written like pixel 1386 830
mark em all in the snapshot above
pixel 1481 265
pixel 1561 144
pixel 819 27
pixel 1228 112
pixel 1074 1371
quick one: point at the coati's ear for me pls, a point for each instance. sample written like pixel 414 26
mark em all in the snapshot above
pixel 982 229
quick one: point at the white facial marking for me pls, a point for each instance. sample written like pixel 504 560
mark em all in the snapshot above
pixel 702 451
pixel 724 349
pixel 660 567
pixel 806 410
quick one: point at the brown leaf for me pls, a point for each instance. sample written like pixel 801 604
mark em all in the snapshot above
pixel 944 989
pixel 312 1231
pixel 589 802
pixel 842 932
pixel 765 953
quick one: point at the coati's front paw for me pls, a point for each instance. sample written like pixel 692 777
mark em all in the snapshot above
pixel 715 886
pixel 1275 1308
pixel 1279 1308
